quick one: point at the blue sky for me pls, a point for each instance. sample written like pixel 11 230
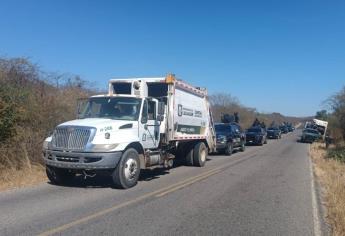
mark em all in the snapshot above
pixel 276 56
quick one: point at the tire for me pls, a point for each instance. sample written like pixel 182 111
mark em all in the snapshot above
pixel 243 147
pixel 229 149
pixel 127 171
pixel 59 176
pixel 261 142
pixel 188 152
pixel 200 154
pixel 265 141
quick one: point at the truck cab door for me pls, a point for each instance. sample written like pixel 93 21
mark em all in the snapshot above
pixel 149 127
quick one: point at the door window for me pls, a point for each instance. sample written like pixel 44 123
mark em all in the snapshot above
pixel 144 114
pixel 151 110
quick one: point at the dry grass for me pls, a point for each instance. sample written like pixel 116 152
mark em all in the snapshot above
pixel 331 175
pixel 11 178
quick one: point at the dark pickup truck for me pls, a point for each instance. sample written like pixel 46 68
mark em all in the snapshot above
pixel 310 135
pixel 230 137
pixel 256 135
pixel 274 133
pixel 284 129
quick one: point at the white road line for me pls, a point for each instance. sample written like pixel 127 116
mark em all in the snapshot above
pixel 316 214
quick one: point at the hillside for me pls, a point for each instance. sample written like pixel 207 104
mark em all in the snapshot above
pixel 223 103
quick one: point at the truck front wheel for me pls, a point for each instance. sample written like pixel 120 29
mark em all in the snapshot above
pixel 127 171
pixel 59 176
pixel 200 154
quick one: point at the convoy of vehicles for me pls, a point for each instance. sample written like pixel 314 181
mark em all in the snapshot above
pixel 144 123
pixel 230 137
pixel 140 123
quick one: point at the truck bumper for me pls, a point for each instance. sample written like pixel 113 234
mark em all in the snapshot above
pixel 221 146
pixel 82 160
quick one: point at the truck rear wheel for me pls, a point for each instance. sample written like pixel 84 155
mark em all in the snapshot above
pixel 184 154
pixel 189 157
pixel 200 154
pixel 59 176
pixel 127 171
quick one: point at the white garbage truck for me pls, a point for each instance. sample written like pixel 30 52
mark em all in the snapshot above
pixel 321 127
pixel 141 123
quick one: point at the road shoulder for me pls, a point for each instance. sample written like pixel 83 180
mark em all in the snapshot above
pixel 329 189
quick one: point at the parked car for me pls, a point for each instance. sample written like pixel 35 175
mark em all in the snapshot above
pixel 274 133
pixel 310 135
pixel 230 137
pixel 256 136
pixel 284 129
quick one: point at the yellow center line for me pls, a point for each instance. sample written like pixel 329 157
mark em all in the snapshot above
pixel 158 193
pixel 187 184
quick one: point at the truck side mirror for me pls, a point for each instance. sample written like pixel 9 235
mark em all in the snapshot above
pixel 161 108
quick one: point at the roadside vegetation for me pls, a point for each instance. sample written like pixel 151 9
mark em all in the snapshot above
pixel 329 164
pixel 33 102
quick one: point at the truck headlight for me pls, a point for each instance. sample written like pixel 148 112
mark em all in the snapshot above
pixel 103 147
pixel 221 138
pixel 46 143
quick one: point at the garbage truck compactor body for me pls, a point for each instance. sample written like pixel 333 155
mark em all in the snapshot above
pixel 141 123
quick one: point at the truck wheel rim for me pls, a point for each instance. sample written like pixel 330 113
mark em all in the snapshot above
pixel 131 169
pixel 203 155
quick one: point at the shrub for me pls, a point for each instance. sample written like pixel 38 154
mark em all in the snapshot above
pixel 30 107
pixel 337 153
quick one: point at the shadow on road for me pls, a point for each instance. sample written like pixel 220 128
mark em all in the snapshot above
pixel 104 181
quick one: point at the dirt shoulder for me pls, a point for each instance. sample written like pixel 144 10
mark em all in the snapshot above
pixel 11 178
pixel 330 174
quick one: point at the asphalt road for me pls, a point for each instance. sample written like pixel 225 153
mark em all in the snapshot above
pixel 262 191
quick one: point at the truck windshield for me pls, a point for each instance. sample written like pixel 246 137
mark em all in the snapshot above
pixel 311 131
pixel 254 130
pixel 118 108
pixel 222 128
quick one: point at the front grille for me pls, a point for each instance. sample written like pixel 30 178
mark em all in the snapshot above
pixel 250 138
pixel 71 138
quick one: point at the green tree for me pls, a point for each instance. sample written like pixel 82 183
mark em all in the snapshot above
pixel 322 115
pixel 337 104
